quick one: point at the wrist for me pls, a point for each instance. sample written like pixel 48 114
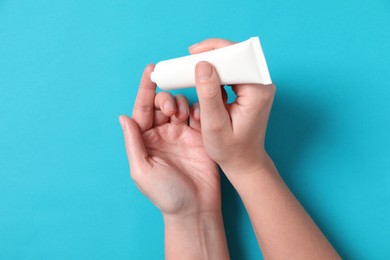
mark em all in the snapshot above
pixel 241 167
pixel 195 222
pixel 252 176
pixel 195 236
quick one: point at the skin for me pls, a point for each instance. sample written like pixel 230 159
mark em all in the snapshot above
pixel 283 228
pixel 170 166
pixel 174 165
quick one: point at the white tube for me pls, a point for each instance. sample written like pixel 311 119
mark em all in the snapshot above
pixel 239 63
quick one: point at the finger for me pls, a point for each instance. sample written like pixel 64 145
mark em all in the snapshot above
pixel 224 95
pixel 159 118
pixel 165 102
pixel 213 112
pixel 164 108
pixel 208 45
pixel 254 94
pixel 183 111
pixel 144 102
pixel 135 148
pixel 195 117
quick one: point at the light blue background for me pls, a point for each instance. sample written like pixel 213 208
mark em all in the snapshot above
pixel 69 68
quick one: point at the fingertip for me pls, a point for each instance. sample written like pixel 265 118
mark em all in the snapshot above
pixel 182 112
pixel 196 111
pixel 203 63
pixel 127 123
pixel 204 71
pixel 146 75
pixel 209 44
pixel 195 117
pixel 120 118
pixel 193 47
pixel 150 67
pixel 165 102
pixel 191 51
pixel 169 108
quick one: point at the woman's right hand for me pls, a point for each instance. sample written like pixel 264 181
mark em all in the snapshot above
pixel 233 134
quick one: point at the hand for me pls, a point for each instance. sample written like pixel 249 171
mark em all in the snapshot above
pixel 233 134
pixel 167 158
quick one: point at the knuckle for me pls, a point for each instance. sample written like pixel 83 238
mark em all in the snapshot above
pixel 159 95
pixel 181 99
pixel 266 93
pixel 159 99
pixel 140 108
pixel 180 96
pixel 209 93
pixel 163 95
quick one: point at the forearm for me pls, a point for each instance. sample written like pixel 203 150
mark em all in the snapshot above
pixel 200 236
pixel 283 228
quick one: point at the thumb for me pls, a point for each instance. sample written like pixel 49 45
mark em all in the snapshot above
pixel 213 113
pixel 135 148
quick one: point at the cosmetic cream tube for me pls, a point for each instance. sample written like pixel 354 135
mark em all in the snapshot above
pixel 240 63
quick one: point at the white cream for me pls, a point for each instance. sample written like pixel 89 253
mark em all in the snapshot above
pixel 239 63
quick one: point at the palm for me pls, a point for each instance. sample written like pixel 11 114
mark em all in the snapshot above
pixel 167 158
pixel 182 178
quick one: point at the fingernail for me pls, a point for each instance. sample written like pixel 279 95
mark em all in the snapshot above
pixel 169 106
pixel 183 109
pixel 197 112
pixel 193 45
pixel 204 71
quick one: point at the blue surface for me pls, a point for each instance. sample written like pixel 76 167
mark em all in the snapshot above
pixel 69 68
